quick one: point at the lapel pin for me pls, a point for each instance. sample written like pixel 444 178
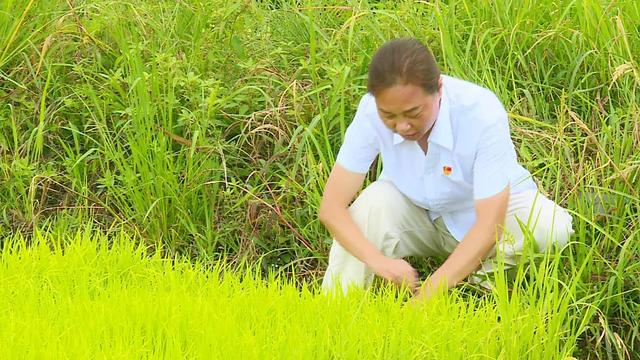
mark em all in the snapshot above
pixel 447 170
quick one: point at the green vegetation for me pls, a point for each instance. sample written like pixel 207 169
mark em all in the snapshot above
pixel 115 301
pixel 206 130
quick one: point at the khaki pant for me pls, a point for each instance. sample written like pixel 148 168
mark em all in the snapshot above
pixel 398 228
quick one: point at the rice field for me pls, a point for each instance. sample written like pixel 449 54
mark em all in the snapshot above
pixel 88 296
pixel 162 163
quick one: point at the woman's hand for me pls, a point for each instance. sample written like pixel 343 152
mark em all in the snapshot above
pixel 397 271
pixel 426 292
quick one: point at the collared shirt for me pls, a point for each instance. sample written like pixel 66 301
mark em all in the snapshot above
pixel 470 154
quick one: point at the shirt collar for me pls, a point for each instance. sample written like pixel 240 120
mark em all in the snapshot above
pixel 441 133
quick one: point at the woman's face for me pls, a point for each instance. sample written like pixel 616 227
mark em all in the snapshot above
pixel 408 110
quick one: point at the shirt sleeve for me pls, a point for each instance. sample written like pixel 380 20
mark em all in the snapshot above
pixel 360 146
pixel 494 157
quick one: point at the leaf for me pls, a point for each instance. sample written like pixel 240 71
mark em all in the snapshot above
pixel 238 48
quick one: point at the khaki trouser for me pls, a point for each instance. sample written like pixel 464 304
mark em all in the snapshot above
pixel 399 228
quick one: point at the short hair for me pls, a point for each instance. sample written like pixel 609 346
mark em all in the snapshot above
pixel 400 62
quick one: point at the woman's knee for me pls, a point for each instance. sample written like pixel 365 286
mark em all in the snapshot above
pixel 554 228
pixel 376 211
pixel 548 224
pixel 378 197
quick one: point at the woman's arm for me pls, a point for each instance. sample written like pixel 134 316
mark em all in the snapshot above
pixel 334 214
pixel 479 240
pixel 339 191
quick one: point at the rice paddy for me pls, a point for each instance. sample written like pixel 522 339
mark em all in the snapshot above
pixel 162 162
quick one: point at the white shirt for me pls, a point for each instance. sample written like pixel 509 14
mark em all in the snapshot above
pixel 470 154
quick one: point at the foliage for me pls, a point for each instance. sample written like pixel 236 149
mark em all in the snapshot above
pixel 208 128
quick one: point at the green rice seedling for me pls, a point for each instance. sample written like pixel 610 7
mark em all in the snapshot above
pixel 84 295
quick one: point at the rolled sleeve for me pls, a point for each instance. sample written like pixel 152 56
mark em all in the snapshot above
pixel 360 146
pixel 494 157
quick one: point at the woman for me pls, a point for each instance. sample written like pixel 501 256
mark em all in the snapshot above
pixel 451 185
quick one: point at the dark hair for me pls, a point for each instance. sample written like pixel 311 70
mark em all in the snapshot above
pixel 401 62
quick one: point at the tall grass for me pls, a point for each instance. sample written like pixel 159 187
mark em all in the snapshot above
pixel 209 128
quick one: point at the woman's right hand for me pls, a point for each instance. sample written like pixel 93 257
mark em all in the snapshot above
pixel 398 271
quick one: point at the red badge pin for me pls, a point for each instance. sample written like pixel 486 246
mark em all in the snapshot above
pixel 447 170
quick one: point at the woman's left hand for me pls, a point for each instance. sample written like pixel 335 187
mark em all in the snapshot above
pixel 425 293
